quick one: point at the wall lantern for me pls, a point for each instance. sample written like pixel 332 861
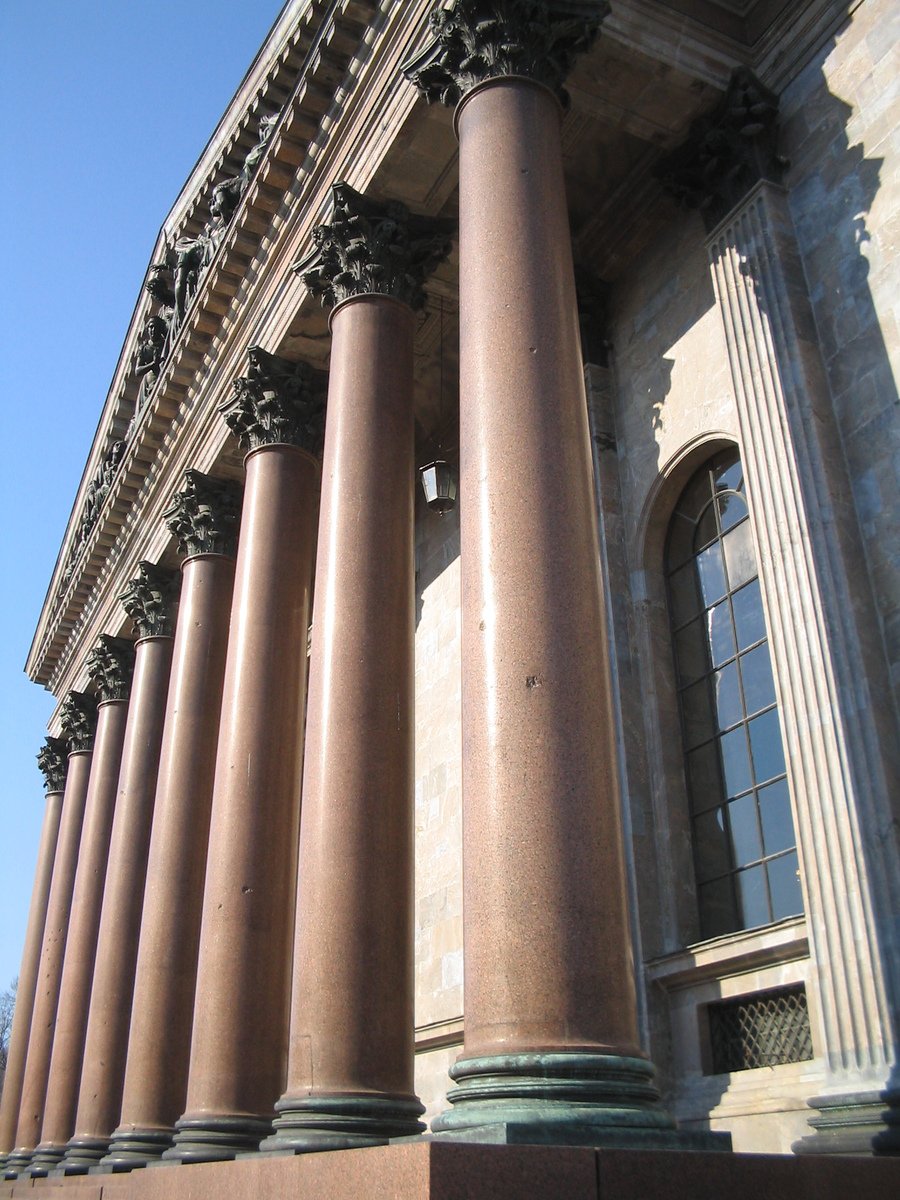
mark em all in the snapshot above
pixel 439 485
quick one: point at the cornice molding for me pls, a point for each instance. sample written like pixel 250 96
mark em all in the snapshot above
pixel 311 45
pixel 278 402
pixel 204 515
pixel 150 600
pixel 474 41
pixel 373 248
pixel 53 763
pixel 78 720
pixel 110 666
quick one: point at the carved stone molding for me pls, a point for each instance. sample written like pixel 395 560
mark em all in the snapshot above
pixel 727 151
pixel 150 600
pixel 111 665
pixel 53 762
pixel 277 401
pixel 175 280
pixel 97 491
pixel 78 719
pixel 204 514
pixel 373 248
pixel 477 40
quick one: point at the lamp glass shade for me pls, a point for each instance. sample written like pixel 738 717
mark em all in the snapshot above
pixel 439 485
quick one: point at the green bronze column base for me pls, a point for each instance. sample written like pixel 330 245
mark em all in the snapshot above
pixel 44 1159
pixel 81 1154
pixel 132 1148
pixel 341 1122
pixel 216 1139
pixel 17 1163
pixel 564 1099
pixel 854 1123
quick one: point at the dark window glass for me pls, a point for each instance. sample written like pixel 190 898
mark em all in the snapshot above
pixel 775 814
pixel 744 842
pixel 784 884
pixel 749 624
pixel 756 675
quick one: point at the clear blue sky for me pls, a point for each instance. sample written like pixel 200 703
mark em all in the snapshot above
pixel 107 106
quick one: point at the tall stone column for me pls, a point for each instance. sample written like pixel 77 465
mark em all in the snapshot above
pixel 110 665
pixel 203 516
pixel 239 1042
pixel 839 734
pixel 149 601
pixel 350 1073
pixel 78 721
pixel 551 1048
pixel 53 762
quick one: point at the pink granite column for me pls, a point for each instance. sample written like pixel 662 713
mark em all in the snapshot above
pixel 204 519
pixel 551 1047
pixel 53 762
pixel 350 1075
pixel 239 1042
pixel 110 666
pixel 78 719
pixel 149 601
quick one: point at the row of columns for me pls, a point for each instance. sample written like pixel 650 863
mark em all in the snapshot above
pixel 551 1032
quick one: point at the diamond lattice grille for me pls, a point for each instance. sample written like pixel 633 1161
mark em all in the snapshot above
pixel 765 1030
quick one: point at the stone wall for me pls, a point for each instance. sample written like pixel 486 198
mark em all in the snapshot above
pixel 842 137
pixel 438 955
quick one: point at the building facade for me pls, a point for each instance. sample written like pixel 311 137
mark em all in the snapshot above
pixel 628 271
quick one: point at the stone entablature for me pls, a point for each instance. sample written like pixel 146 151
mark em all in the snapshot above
pixel 307 56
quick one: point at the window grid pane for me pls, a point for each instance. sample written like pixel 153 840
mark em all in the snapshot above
pixel 744 843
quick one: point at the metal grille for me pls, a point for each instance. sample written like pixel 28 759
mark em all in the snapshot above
pixel 764 1030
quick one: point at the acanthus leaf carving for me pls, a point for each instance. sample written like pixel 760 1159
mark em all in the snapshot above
pixel 53 763
pixel 78 720
pixel 474 41
pixel 150 600
pixel 727 151
pixel 204 515
pixel 277 401
pixel 373 248
pixel 111 666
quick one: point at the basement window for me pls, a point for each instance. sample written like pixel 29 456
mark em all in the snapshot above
pixel 767 1029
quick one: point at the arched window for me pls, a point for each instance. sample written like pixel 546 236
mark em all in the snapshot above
pixel 743 832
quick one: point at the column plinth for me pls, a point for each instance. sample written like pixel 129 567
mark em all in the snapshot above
pixel 155 1084
pixel 350 1075
pixel 53 760
pixel 239 1043
pixel 106 1041
pixel 46 999
pixel 81 946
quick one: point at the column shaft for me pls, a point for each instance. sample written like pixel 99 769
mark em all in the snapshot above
pixel 548 959
pixel 106 1042
pixel 81 945
pixel 551 1048
pixel 46 999
pixel 28 973
pixel 350 1078
pixel 239 1044
pixel 156 1083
